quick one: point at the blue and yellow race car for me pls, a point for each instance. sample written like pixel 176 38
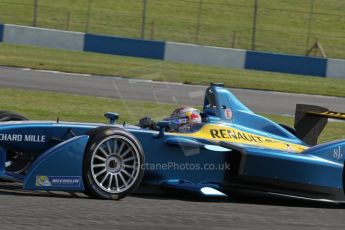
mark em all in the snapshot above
pixel 234 151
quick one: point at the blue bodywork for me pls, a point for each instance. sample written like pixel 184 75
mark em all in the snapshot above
pixel 184 163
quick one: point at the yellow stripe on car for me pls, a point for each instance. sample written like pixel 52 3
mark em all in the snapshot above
pixel 232 135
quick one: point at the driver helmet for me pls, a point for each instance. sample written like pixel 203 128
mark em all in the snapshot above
pixel 184 118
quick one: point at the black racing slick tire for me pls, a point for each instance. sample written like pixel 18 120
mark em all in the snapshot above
pixel 11 116
pixel 113 163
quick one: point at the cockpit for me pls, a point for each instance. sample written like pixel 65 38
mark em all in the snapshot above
pixel 220 106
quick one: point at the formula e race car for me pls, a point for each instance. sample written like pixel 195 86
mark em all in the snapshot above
pixel 233 151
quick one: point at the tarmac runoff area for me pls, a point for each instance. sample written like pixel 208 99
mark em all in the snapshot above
pixel 60 210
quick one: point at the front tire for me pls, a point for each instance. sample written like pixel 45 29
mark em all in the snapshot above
pixel 113 164
pixel 19 162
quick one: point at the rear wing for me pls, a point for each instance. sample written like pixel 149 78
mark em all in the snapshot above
pixel 330 114
pixel 310 120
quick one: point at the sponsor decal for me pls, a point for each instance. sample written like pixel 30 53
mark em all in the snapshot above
pixel 43 181
pixel 337 154
pixel 194 117
pixel 23 138
pixel 228 114
pixel 47 181
pixel 182 121
pixel 234 134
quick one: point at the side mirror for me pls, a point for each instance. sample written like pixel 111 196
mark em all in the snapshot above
pixel 113 117
pixel 162 127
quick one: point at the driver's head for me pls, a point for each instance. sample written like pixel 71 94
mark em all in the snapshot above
pixel 185 117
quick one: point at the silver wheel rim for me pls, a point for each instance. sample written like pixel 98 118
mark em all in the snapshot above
pixel 115 164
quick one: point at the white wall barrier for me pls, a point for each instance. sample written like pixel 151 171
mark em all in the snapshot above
pixel 43 37
pixel 336 68
pixel 204 55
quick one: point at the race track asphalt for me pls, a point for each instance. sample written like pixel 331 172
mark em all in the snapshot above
pixel 44 210
pixel 115 87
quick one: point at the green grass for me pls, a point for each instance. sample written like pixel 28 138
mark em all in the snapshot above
pixel 282 26
pixel 41 105
pixel 70 107
pixel 82 62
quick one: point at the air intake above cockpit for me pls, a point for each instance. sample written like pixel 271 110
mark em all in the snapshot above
pixel 217 84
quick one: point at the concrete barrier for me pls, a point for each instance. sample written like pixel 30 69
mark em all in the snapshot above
pixel 286 63
pixel 172 51
pixel 43 37
pixel 204 55
pixel 1 32
pixel 336 68
pixel 124 46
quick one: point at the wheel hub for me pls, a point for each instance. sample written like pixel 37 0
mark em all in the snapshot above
pixel 114 164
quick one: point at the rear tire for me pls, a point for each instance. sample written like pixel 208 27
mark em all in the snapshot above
pixel 113 163
pixel 11 116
